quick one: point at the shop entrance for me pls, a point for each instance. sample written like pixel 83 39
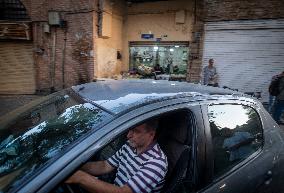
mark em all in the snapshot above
pixel 172 57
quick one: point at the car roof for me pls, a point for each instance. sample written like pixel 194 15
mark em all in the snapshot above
pixel 119 95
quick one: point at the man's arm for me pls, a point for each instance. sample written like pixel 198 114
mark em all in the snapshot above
pixel 92 184
pixel 97 168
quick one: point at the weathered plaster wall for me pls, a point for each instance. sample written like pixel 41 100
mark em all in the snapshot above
pixel 157 18
pixel 107 64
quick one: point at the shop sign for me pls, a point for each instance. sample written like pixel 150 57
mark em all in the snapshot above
pixel 147 36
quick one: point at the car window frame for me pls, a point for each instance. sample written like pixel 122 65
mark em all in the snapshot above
pixel 209 144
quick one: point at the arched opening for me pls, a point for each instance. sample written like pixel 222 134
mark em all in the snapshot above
pixel 13 10
pixel 17 74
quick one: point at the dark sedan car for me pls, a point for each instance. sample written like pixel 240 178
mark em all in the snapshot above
pixel 215 140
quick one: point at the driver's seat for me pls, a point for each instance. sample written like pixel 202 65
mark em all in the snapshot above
pixel 177 173
pixel 174 140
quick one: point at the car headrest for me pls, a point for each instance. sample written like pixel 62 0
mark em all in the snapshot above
pixel 175 127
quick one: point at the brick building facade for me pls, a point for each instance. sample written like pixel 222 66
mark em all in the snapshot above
pixel 63 55
pixel 216 10
pixel 59 54
pixel 73 53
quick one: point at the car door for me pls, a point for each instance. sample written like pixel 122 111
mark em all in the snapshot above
pixel 110 132
pixel 240 154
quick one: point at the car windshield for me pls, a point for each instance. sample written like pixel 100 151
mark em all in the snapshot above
pixel 31 136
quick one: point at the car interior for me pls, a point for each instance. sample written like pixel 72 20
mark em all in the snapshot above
pixel 175 139
pixel 174 135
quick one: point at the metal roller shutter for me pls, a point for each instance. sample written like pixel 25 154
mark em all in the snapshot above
pixel 17 74
pixel 246 53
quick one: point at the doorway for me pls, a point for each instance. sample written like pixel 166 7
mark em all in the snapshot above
pixel 171 56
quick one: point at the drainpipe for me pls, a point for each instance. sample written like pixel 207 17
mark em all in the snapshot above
pixel 63 59
pixel 195 12
pixel 52 89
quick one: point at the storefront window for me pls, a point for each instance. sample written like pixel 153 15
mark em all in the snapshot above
pixel 173 59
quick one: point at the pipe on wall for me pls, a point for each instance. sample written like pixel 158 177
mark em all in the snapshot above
pixel 53 59
pixel 63 58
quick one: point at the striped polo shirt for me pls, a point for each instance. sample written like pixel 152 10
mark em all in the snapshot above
pixel 144 172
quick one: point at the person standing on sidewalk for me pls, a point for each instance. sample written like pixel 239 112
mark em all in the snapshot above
pixel 279 102
pixel 271 97
pixel 209 74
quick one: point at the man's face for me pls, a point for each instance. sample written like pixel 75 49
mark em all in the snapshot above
pixel 139 137
pixel 211 62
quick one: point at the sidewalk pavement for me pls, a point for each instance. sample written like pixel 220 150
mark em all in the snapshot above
pixel 11 102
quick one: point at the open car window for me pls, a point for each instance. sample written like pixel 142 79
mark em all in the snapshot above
pixel 174 136
pixel 41 133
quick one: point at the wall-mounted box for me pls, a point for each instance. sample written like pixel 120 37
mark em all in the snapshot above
pixel 180 17
pixel 53 18
pixel 46 28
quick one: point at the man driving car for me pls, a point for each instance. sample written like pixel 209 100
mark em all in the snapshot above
pixel 141 165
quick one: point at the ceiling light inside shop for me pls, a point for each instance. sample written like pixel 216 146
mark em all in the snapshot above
pixel 177 46
pixel 156 47
pixel 171 49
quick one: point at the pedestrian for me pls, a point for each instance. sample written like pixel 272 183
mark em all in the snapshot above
pixel 271 97
pixel 175 69
pixel 210 75
pixel 279 101
pixel 158 69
